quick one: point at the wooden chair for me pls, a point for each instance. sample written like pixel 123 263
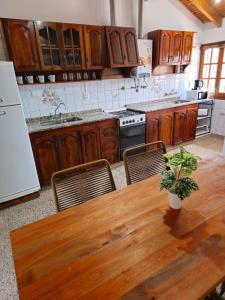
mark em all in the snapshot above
pixel 144 161
pixel 78 184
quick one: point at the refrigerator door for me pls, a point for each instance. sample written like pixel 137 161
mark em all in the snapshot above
pixel 9 92
pixel 18 175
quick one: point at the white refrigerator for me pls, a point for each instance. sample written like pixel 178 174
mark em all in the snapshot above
pixel 18 174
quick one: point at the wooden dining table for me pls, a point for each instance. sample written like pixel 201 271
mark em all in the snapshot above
pixel 128 244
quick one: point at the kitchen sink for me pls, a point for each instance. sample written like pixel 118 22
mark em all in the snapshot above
pixel 180 101
pixel 60 121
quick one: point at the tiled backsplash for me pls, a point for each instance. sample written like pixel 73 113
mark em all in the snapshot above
pixel 41 100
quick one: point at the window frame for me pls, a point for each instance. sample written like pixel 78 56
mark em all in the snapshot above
pixel 204 47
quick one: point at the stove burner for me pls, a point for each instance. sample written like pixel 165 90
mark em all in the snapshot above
pixel 126 113
pixel 129 117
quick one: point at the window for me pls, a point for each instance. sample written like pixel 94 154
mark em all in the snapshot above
pixel 212 69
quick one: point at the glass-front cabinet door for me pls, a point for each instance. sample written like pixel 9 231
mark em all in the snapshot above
pixel 49 45
pixel 73 46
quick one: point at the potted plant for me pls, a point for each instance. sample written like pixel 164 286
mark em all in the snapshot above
pixel 180 165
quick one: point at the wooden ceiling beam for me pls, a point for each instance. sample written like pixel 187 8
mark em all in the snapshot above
pixel 208 11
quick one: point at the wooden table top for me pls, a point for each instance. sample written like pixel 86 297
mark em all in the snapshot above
pixel 128 245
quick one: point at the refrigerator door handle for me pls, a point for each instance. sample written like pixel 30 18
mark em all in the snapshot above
pixel 2 113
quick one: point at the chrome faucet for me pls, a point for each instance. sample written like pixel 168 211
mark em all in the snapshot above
pixel 58 106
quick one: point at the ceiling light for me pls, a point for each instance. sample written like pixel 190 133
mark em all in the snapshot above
pixel 217 1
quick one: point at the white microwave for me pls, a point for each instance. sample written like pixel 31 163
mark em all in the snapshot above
pixel 197 95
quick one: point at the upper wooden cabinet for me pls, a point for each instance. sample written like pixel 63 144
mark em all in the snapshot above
pixel 95 51
pixel 165 46
pixel 48 46
pixel 171 48
pixel 187 47
pixel 48 41
pixel 122 46
pixel 176 47
pixel 22 46
pixel 72 46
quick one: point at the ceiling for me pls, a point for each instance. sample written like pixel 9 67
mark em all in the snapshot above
pixel 206 10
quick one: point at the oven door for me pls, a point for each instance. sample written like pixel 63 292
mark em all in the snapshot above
pixel 131 136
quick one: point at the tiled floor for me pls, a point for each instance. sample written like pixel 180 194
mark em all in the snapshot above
pixel 44 206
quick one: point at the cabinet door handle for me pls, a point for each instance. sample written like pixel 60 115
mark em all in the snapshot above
pixel 124 56
pixel 2 113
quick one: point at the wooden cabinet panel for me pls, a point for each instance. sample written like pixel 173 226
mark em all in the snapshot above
pixel 122 46
pixel 179 127
pixel 69 149
pixel 187 47
pixel 109 140
pixel 49 46
pixel 170 48
pixel 176 47
pixel 165 47
pixel 22 47
pixel 152 132
pixel 72 46
pixel 166 127
pixel 131 48
pixel 90 143
pixel 62 148
pixel 191 123
pixel 115 41
pixel 46 157
pixel 95 51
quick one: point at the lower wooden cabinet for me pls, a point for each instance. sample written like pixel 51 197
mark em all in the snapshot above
pixel 90 144
pixel 46 155
pixel 179 127
pixel 172 126
pixel 166 127
pixel 185 122
pixel 191 123
pixel 58 149
pixel 69 149
pixel 152 129
pixel 160 127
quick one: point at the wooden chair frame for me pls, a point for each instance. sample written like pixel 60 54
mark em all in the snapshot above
pixel 154 145
pixel 82 168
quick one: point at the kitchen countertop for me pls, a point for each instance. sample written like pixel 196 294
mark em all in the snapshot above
pixel 90 116
pixel 155 105
pixel 35 124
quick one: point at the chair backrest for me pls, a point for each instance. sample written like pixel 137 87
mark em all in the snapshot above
pixel 144 161
pixel 81 183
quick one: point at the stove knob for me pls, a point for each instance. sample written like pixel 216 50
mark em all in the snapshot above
pixel 126 122
pixel 133 121
pixel 141 119
pixel 130 121
pixel 123 122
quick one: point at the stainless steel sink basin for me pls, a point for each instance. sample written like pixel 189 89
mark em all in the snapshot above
pixel 60 121
pixel 180 101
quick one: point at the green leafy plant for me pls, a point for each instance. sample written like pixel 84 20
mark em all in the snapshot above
pixel 180 165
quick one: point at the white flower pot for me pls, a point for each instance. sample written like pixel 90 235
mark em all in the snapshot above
pixel 174 201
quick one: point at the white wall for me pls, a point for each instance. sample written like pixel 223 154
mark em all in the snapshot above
pixel 76 11
pixel 211 33
pixel 158 14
